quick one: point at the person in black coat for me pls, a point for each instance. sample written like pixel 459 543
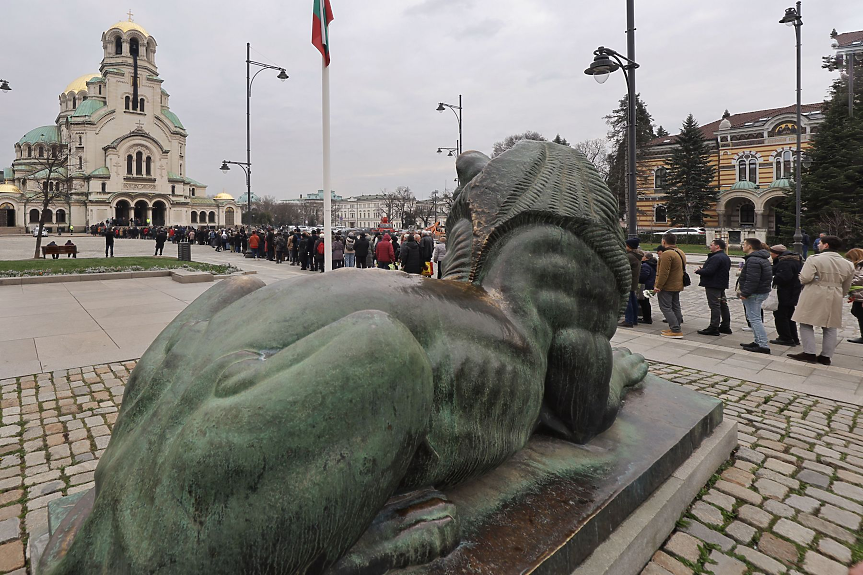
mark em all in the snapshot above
pixel 786 280
pixel 304 251
pixel 714 279
pixel 109 241
pixel 310 249
pixel 161 237
pixel 361 248
pixel 411 257
pixel 647 277
pixel 427 246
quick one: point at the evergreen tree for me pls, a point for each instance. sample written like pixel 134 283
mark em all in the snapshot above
pixel 832 188
pixel 661 132
pixel 558 140
pixel 617 158
pixel 690 192
pixel 510 141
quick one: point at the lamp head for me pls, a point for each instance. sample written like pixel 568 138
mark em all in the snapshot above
pixel 282 75
pixel 225 167
pixel 450 154
pixel 439 151
pixel 4 86
pixel 790 18
pixel 601 67
pixel 440 107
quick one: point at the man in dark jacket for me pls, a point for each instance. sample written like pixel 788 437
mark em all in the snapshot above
pixel 310 248
pixel 271 246
pixel 109 241
pixel 634 255
pixel 426 246
pixel 786 280
pixel 161 238
pixel 361 248
pixel 755 280
pixel 304 251
pixel 714 279
pixel 411 256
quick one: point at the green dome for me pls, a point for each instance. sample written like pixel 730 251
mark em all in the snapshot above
pixel 50 133
pixel 88 107
pixel 783 183
pixel 744 185
pixel 173 117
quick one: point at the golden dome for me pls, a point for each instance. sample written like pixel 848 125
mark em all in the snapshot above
pixel 125 26
pixel 79 84
pixel 223 196
pixel 9 189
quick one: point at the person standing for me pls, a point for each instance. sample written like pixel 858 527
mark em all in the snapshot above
pixel 427 246
pixel 669 284
pixel 350 252
pixel 361 248
pixel 304 251
pixel 411 256
pixel 279 244
pixel 338 253
pixel 805 240
pixel 715 274
pixel 438 255
pixel 855 294
pixel 755 280
pixel 384 252
pixel 647 278
pixel 786 280
pixel 633 255
pixel 312 244
pixel 109 241
pixel 826 278
pixel 161 238
pixel 254 242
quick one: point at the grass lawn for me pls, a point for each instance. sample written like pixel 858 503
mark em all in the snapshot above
pixel 64 265
pixel 699 249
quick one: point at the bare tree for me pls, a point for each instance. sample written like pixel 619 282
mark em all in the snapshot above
pixel 510 141
pixel 389 204
pixel 52 183
pixel 840 223
pixel 405 204
pixel 424 211
pixel 595 151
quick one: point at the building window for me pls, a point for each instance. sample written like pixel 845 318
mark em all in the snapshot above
pixel 212 218
pixel 128 101
pixel 747 169
pixel 141 105
pixel 139 164
pixel 193 191
pixel 80 140
pixel 181 169
pixel 118 46
pixel 61 216
pixel 74 101
pixel 173 190
pixel 104 187
pixel 34 216
pixel 41 152
pixel 747 214
pixel 80 163
pixel 660 215
pixel 129 165
pixel 782 165
pixel 149 162
pixel 133 47
pixel 659 178
pixel 194 217
pixel 100 89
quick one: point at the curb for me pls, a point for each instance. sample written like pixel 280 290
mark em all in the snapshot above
pixel 63 278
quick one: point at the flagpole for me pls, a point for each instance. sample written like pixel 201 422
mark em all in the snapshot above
pixel 328 207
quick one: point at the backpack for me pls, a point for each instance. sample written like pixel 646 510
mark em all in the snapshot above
pixel 321 248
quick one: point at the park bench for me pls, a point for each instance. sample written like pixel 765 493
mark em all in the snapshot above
pixel 51 250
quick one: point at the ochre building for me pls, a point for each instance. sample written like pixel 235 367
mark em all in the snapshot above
pixel 126 151
pixel 753 153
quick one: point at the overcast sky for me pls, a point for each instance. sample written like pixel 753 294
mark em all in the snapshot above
pixel 518 63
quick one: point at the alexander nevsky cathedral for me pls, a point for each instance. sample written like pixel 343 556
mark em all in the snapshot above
pixel 124 151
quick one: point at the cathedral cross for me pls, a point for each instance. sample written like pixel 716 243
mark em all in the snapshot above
pixel 130 15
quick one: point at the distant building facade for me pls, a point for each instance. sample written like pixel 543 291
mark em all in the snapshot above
pixel 126 151
pixel 753 154
pixel 363 211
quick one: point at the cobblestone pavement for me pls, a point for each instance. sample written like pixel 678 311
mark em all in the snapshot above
pixel 789 501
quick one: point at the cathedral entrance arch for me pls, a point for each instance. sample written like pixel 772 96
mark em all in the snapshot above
pixel 7 215
pixel 121 212
pixel 159 213
pixel 141 212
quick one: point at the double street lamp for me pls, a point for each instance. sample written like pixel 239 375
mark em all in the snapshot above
pixel 452 151
pixel 605 62
pixel 792 17
pixel 247 165
pixel 441 107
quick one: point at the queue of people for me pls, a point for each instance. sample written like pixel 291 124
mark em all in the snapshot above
pixel 803 294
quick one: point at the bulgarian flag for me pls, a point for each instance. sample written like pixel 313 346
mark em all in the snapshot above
pixel 321 18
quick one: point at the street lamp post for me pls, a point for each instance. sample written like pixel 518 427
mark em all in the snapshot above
pixel 606 61
pixel 458 115
pixel 247 168
pixel 249 79
pixel 793 18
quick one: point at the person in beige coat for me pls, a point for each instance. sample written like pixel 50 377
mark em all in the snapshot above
pixel 826 279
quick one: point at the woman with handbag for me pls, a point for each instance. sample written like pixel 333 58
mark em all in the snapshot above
pixel 855 294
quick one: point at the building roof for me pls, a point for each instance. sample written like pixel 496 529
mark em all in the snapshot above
pixel 102 172
pixel 202 201
pixel 79 84
pixel 172 177
pixel 88 107
pixel 743 120
pixel 223 196
pixel 173 117
pixel 850 40
pixel 45 134
pixel 744 185
pixel 56 174
pixel 9 189
pixel 782 183
pixel 195 183
pixel 127 25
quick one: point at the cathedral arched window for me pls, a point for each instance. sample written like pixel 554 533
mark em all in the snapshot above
pixel 747 169
pixel 100 89
pixel 29 152
pixel 118 46
pixel 194 217
pixel 141 105
pixel 133 47
pixel 80 163
pixel 129 165
pixel 128 101
pixel 104 187
pixel 74 102
pixel 34 216
pixel 659 177
pixel 149 162
pixel 41 152
pixel 139 163
pixel 782 165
